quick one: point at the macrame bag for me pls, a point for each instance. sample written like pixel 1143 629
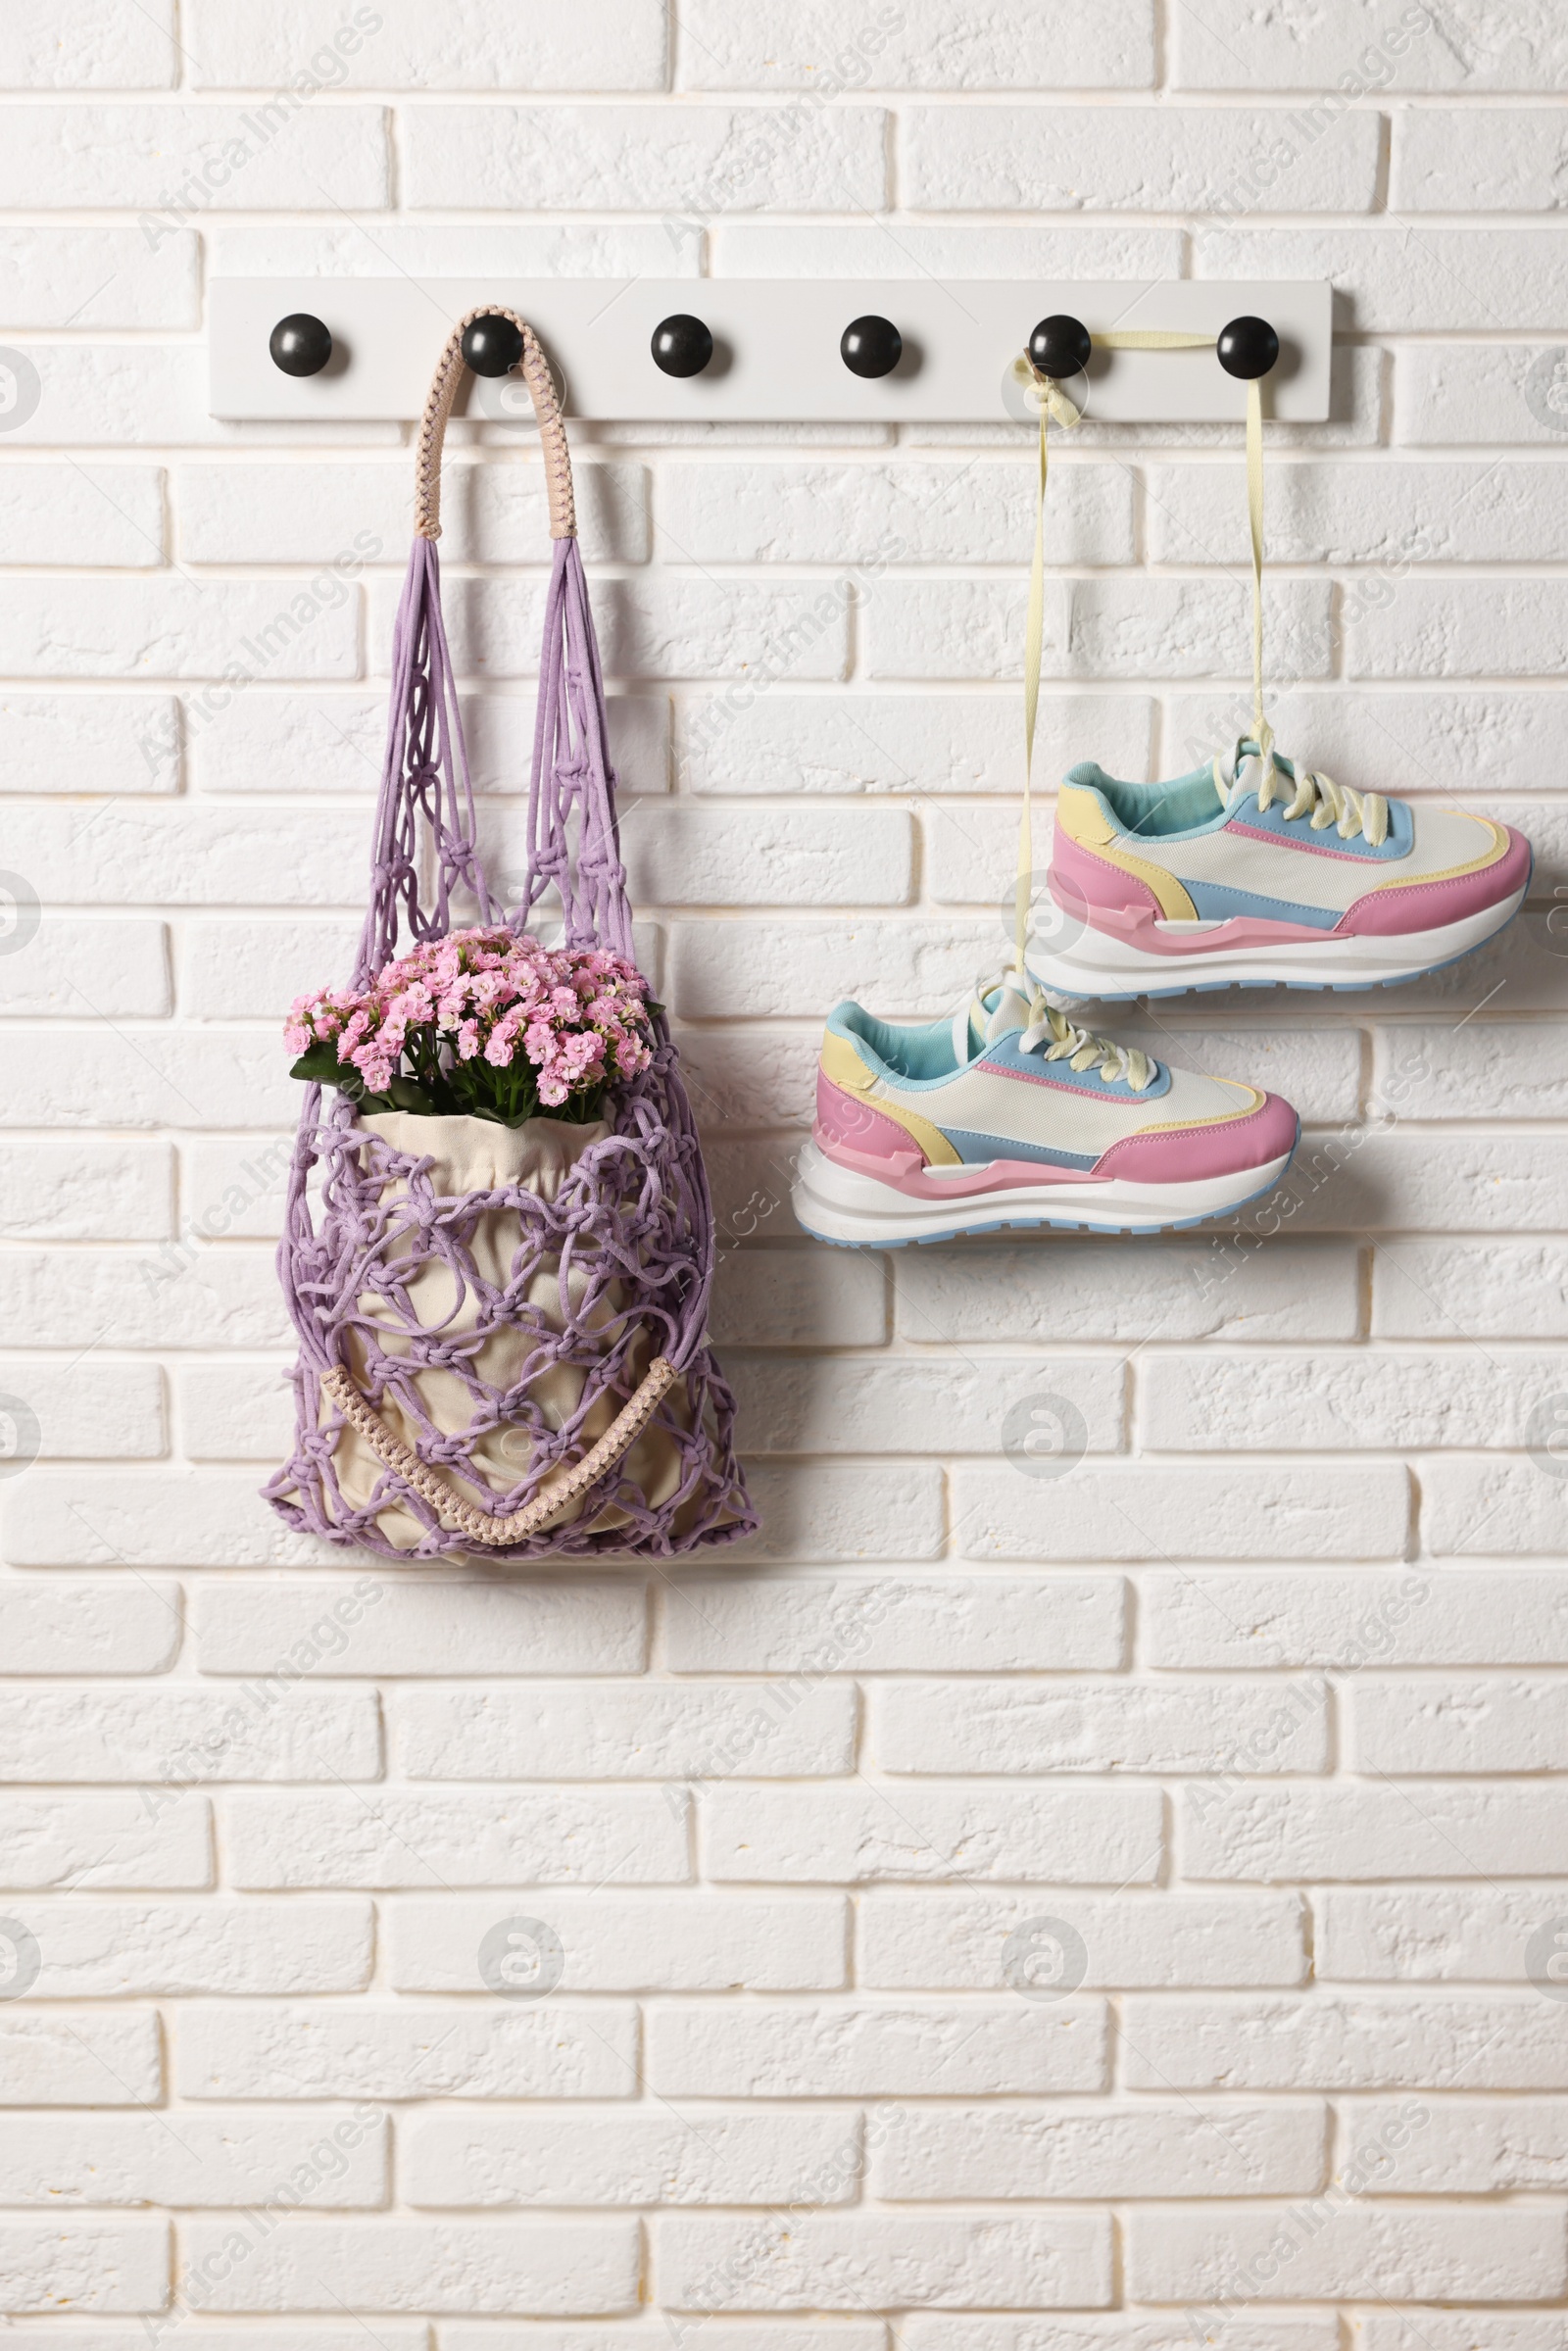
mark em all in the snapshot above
pixel 501 1330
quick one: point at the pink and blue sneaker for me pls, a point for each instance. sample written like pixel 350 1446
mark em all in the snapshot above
pixel 1289 878
pixel 1009 1115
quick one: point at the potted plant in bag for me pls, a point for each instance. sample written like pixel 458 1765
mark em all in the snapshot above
pixel 499 1241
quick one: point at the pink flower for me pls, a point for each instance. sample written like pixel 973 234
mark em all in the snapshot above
pixel 318 1017
pixel 357 1028
pixel 474 1000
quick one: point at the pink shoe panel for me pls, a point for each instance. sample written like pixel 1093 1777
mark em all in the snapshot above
pixel 850 1129
pixel 1428 905
pixel 1081 882
pixel 1183 1154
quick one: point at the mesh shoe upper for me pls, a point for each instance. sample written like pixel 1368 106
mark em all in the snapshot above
pixel 1032 1087
pixel 1224 842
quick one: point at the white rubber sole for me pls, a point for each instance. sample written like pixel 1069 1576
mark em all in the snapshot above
pixel 853 1210
pixel 1099 966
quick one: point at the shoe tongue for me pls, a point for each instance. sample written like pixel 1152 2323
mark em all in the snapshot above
pixel 988 1016
pixel 1009 1011
pixel 1239 776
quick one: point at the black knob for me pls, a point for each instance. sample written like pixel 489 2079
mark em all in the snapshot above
pixel 870 346
pixel 681 345
pixel 300 345
pixel 1248 348
pixel 492 345
pixel 1059 346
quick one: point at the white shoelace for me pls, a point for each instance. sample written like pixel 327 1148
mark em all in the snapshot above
pixel 1318 797
pixel 1052 406
pixel 1055 1038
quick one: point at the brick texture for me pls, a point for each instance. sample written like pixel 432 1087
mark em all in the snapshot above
pixel 1105 1913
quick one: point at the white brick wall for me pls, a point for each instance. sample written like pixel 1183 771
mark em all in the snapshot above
pixel 1102 1914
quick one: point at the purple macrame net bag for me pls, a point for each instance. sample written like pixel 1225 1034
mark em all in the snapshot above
pixel 601 1290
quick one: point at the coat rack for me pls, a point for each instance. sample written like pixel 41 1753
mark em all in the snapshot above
pixel 808 350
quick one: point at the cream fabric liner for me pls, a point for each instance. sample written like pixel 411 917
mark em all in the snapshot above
pixel 474 1154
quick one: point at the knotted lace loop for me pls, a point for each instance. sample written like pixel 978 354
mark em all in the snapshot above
pixel 1050 1034
pixel 1055 1038
pixel 1312 794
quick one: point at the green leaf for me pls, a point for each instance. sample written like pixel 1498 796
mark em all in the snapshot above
pixel 406 1093
pixel 320 1063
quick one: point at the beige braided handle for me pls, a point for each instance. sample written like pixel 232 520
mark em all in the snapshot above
pixel 546 407
pixel 566 1486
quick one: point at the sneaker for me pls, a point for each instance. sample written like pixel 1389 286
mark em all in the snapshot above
pixel 1289 878
pixel 1007 1114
